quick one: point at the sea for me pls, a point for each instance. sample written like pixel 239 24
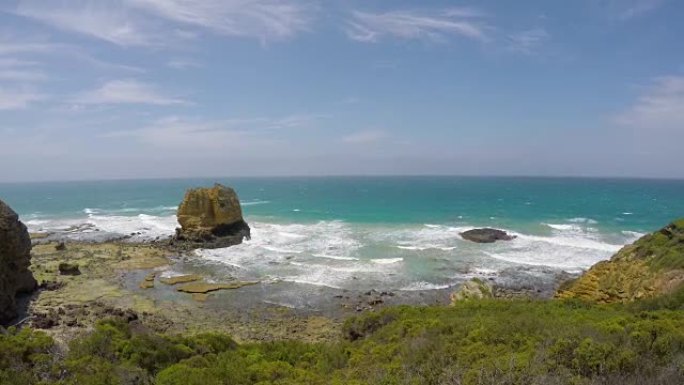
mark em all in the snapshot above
pixel 390 233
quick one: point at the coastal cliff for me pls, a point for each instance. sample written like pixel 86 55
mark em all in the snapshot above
pixel 650 267
pixel 15 259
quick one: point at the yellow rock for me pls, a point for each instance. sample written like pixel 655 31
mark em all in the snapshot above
pixel 653 265
pixel 203 287
pixel 180 279
pixel 206 208
pixel 148 282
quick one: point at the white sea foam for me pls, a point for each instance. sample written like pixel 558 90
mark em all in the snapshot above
pixel 421 285
pixel 633 235
pixel 563 227
pixel 427 247
pixel 337 257
pixel 583 220
pixel 254 203
pixel 387 261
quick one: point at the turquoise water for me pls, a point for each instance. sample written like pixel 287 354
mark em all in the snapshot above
pixel 400 232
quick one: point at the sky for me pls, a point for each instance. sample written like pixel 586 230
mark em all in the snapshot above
pixel 113 89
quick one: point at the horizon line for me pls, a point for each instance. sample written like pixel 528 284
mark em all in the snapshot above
pixel 322 176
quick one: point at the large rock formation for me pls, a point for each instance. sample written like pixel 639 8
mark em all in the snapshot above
pixel 486 235
pixel 211 218
pixel 651 266
pixel 15 259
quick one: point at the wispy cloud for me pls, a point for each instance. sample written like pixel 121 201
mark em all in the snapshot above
pixel 630 9
pixel 263 19
pixel 527 42
pixel 661 105
pixel 18 98
pixel 164 22
pixel 10 45
pixel 201 134
pixel 20 71
pixel 373 27
pixel 182 64
pixel 127 91
pixel 365 137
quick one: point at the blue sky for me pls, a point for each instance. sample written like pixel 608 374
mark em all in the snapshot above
pixel 175 88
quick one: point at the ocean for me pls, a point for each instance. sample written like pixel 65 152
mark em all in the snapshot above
pixel 394 233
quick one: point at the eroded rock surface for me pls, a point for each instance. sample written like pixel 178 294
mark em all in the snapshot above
pixel 486 235
pixel 651 266
pixel 473 289
pixel 211 218
pixel 15 259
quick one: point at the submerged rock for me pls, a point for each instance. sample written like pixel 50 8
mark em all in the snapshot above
pixel 15 259
pixel 204 288
pixel 473 289
pixel 211 218
pixel 180 279
pixel 651 266
pixel 486 235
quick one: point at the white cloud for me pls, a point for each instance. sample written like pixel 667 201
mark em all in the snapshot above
pixel 630 9
pixel 127 91
pixel 364 137
pixel 263 19
pixel 199 134
pixel 10 45
pixel 18 98
pixel 373 27
pixel 661 106
pixel 164 22
pixel 528 41
pixel 20 71
pixel 182 64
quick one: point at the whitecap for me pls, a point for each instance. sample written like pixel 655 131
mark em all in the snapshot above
pixel 254 203
pixel 337 257
pixel 421 286
pixel 583 220
pixel 563 227
pixel 427 247
pixel 386 261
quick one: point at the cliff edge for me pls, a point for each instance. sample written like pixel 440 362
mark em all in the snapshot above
pixel 15 259
pixel 651 266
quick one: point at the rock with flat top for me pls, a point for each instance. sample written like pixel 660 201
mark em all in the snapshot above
pixel 486 235
pixel 211 218
pixel 15 259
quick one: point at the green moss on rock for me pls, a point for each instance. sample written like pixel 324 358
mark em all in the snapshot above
pixel 651 266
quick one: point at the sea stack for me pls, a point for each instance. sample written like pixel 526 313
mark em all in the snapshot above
pixel 15 259
pixel 211 218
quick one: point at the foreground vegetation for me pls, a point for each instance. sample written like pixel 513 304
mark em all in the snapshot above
pixel 477 342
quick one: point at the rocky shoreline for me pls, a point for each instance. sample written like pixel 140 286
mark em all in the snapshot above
pixel 155 283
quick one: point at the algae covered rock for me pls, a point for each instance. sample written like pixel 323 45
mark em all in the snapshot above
pixel 15 259
pixel 486 235
pixel 651 266
pixel 211 218
pixel 473 289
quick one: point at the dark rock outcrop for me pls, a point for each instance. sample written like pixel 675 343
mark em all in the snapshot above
pixel 15 259
pixel 210 218
pixel 486 235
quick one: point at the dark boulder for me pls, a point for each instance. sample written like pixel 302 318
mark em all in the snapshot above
pixel 15 259
pixel 486 235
